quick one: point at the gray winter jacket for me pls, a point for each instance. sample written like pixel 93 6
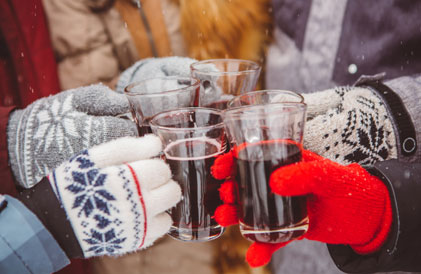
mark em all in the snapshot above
pixel 320 44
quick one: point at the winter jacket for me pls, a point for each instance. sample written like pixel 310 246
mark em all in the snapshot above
pixel 27 68
pixel 90 41
pixel 28 72
pixel 26 246
pixel 321 44
pixel 94 41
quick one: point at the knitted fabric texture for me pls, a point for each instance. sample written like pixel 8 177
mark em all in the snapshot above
pixel 52 129
pixel 346 205
pixel 154 67
pixel 115 208
pixel 349 125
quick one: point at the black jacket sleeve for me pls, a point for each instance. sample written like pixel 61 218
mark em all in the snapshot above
pixel 402 250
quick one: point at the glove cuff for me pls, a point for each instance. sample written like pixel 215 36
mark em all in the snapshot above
pixel 105 206
pixel 13 146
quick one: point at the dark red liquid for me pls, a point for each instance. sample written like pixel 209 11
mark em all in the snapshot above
pixel 219 104
pixel 143 129
pixel 192 216
pixel 265 216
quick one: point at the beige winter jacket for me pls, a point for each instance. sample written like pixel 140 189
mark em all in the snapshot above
pixel 95 40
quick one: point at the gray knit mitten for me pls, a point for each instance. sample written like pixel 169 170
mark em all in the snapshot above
pixel 155 67
pixel 53 129
pixel 349 124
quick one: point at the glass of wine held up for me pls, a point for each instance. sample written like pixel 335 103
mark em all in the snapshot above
pixel 192 139
pixel 264 138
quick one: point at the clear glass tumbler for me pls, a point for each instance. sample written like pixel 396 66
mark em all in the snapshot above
pixel 192 139
pixel 222 79
pixel 266 96
pixel 265 138
pixel 149 97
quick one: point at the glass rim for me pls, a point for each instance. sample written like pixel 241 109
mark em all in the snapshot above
pixel 250 93
pixel 196 84
pixel 153 124
pixel 236 112
pixel 257 66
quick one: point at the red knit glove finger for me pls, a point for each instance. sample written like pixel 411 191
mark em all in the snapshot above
pixel 223 168
pixel 346 205
pixel 227 213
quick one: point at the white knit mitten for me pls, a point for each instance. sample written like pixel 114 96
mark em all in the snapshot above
pixel 116 194
pixel 349 124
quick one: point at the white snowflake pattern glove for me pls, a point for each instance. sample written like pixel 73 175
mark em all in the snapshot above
pixel 115 195
pixel 155 67
pixel 54 128
pixel 349 124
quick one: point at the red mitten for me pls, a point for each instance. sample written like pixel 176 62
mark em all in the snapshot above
pixel 223 168
pixel 346 205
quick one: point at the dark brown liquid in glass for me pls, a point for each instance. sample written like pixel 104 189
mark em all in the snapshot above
pixel 219 104
pixel 265 216
pixel 143 129
pixel 193 215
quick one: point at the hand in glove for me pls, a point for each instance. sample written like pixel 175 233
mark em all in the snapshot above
pixel 349 125
pixel 346 205
pixel 155 67
pixel 54 128
pixel 114 196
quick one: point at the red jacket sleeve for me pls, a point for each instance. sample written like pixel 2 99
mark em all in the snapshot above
pixel 7 185
pixel 28 69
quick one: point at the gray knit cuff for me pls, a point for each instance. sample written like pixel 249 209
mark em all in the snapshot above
pixel 13 144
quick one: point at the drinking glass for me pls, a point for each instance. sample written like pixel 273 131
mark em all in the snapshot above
pixel 222 79
pixel 149 97
pixel 192 139
pixel 266 137
pixel 266 96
